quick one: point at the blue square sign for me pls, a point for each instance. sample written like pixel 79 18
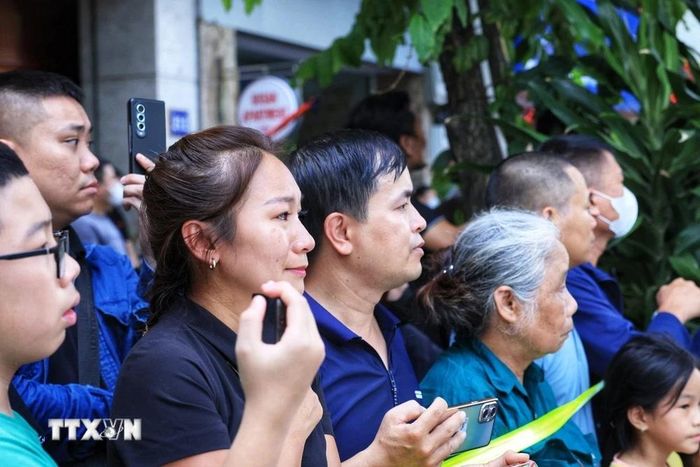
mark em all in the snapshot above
pixel 179 122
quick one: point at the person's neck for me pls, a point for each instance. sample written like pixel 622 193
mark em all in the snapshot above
pixel 599 244
pixel 339 292
pixel 645 454
pixel 100 208
pixel 508 350
pixel 6 374
pixel 225 305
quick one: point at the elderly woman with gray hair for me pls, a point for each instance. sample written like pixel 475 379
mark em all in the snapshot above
pixel 503 292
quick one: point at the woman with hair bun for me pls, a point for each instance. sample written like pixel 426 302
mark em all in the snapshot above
pixel 503 292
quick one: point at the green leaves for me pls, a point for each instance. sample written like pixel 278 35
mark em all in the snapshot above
pixel 436 12
pixel 685 266
pixel 422 37
pixel 462 11
pixel 249 5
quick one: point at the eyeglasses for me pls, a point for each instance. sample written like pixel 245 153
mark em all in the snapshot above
pixel 58 252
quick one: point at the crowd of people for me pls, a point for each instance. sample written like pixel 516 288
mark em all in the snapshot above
pixel 517 310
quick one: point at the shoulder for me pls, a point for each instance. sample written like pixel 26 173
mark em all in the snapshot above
pixel 581 273
pixel 170 349
pixel 457 376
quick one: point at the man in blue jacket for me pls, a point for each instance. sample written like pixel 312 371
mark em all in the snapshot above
pixel 600 319
pixel 42 119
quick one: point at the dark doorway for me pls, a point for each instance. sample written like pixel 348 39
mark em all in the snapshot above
pixel 40 34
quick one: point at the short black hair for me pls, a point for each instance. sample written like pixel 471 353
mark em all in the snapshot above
pixel 21 91
pixel 390 114
pixel 645 371
pixel 584 152
pixel 338 172
pixel 530 181
pixel 11 167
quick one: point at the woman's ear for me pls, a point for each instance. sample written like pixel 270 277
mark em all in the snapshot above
pixel 638 418
pixel 508 308
pixel 196 237
pixel 550 213
pixel 336 229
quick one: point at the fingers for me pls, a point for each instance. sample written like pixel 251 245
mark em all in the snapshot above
pixel 250 325
pixel 407 412
pixel 434 415
pixel 447 436
pixel 133 190
pixel 145 162
pixel 299 318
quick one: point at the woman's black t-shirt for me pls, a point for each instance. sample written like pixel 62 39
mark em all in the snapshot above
pixel 180 379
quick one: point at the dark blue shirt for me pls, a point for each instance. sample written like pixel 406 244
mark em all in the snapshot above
pixel 358 388
pixel 599 319
pixel 182 380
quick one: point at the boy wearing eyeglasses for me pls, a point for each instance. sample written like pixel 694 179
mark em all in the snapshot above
pixel 39 297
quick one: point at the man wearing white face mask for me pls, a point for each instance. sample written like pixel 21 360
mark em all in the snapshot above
pixel 600 319
pixel 99 226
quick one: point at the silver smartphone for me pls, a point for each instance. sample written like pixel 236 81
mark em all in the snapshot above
pixel 478 424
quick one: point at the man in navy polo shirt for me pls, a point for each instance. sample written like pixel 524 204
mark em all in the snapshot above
pixel 357 191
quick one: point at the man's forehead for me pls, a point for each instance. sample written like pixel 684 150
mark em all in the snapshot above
pixel 390 183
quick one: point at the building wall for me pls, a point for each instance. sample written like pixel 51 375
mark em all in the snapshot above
pixel 137 48
pixel 310 23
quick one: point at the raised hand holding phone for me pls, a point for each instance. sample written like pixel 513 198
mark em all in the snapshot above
pixel 146 124
pixel 146 136
pixel 271 373
pixel 280 406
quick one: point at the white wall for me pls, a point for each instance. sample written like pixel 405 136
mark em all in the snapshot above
pixel 176 59
pixel 309 23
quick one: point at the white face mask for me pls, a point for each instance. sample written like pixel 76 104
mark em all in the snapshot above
pixel 116 194
pixel 627 209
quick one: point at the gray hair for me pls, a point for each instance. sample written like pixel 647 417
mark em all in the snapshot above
pixel 498 247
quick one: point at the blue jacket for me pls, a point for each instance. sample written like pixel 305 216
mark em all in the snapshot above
pixel 600 320
pixel 119 310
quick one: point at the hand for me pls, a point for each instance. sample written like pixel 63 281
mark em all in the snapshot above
pixel 681 298
pixel 410 435
pixel 511 458
pixel 276 378
pixel 133 183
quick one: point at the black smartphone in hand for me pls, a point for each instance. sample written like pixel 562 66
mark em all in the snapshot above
pixel 146 122
pixel 275 320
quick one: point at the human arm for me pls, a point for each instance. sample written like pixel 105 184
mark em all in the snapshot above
pixel 46 401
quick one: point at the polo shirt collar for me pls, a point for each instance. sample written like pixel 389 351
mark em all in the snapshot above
pixel 333 329
pixel 500 376
pixel 211 329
